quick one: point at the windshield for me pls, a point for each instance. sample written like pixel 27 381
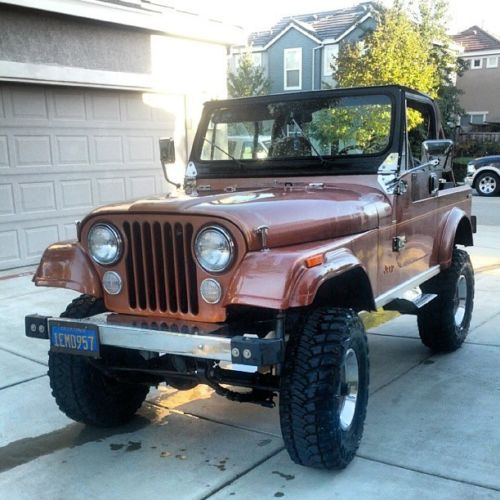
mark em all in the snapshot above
pixel 325 129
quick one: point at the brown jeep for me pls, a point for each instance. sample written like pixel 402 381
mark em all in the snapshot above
pixel 251 278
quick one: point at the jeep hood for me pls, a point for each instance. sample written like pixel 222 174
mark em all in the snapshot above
pixel 293 217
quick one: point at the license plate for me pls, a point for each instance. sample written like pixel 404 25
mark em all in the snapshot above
pixel 74 338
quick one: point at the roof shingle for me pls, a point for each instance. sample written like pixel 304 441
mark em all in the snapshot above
pixel 475 38
pixel 322 25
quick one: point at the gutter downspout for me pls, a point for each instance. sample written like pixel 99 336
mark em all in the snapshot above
pixel 314 49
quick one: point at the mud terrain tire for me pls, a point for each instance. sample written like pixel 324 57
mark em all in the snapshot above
pixel 82 391
pixel 321 422
pixel 443 324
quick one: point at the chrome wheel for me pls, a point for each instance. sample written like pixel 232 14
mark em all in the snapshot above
pixel 460 300
pixel 487 184
pixel 349 389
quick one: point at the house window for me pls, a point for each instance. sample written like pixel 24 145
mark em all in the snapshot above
pixel 492 62
pixel 293 68
pixel 477 118
pixel 329 52
pixel 476 63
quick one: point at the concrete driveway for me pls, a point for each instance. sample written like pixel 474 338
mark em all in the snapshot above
pixel 432 429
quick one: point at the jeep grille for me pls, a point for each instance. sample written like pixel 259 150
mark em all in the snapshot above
pixel 161 272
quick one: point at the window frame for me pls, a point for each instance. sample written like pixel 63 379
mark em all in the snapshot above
pixel 477 113
pixel 495 65
pixel 480 59
pixel 285 69
pixel 327 49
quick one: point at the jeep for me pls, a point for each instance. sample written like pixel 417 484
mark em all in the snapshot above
pixel 251 277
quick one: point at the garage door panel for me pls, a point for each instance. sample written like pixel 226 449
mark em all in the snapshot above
pixel 105 107
pixel 64 151
pixel 38 238
pixel 72 150
pixel 6 199
pixel 37 196
pixel 4 152
pixel 140 149
pixel 32 150
pixel 141 186
pixel 28 102
pixel 110 190
pixel 10 253
pixel 135 110
pixel 76 194
pixel 108 149
pixel 69 105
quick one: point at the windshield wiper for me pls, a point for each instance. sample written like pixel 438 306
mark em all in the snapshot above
pixel 212 143
pixel 324 161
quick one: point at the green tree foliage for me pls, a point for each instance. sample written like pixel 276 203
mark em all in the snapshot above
pixel 408 47
pixel 248 79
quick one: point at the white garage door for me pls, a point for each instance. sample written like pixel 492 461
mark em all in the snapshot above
pixel 64 151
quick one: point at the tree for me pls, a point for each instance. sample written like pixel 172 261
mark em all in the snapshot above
pixel 408 47
pixel 249 79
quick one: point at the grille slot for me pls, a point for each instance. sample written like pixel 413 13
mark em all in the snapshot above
pixel 161 271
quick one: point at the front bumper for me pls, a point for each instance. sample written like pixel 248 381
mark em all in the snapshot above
pixel 468 180
pixel 195 340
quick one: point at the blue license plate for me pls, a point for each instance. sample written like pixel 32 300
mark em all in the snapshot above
pixel 74 338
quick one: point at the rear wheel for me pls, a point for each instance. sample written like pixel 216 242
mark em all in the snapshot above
pixel 487 184
pixel 443 324
pixel 82 390
pixel 324 389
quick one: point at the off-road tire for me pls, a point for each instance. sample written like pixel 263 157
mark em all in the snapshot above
pixel 84 307
pixel 310 388
pixel 437 325
pixel 487 184
pixel 84 392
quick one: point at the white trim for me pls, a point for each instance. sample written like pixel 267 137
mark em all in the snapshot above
pixel 285 51
pixel 324 61
pixel 477 113
pixel 495 65
pixel 478 53
pixel 171 21
pixel 295 26
pixel 47 74
pixel 480 59
pixel 399 290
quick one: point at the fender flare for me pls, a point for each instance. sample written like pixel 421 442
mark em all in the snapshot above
pixel 338 263
pixel 456 227
pixel 279 279
pixel 66 265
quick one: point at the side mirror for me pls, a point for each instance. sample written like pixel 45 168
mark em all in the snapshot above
pixel 167 150
pixel 437 149
pixel 167 157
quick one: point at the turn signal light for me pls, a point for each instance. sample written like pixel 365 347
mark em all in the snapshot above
pixel 315 260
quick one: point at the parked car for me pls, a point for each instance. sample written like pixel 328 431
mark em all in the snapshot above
pixel 251 279
pixel 483 174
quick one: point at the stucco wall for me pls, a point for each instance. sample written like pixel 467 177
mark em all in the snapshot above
pixel 29 36
pixel 481 89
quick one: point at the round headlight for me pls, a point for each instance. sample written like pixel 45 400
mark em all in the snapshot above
pixel 214 249
pixel 105 244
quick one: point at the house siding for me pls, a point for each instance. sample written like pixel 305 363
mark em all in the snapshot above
pixel 291 39
pixel 480 90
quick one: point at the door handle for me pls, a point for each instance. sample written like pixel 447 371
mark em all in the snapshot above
pixel 433 184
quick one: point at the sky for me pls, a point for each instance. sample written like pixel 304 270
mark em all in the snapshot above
pixel 256 15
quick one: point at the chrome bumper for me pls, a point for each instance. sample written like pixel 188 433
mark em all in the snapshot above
pixel 193 341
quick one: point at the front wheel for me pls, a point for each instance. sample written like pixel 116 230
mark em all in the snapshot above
pixel 443 323
pixel 487 184
pixel 83 390
pixel 324 388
